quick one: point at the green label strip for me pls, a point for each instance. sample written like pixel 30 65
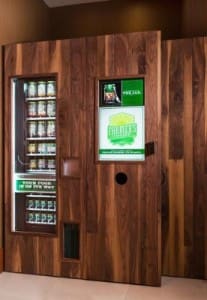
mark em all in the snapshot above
pixel 121 151
pixel 35 186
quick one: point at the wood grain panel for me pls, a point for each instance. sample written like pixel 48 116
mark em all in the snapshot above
pixel 71 201
pixel 119 225
pixel 183 163
pixel 122 244
pixel 71 269
pixel 205 100
pixel 198 81
pixel 28 253
pixel 93 62
pixel 152 170
pixel 165 157
pixel 1 157
pixel 176 208
pixel 176 103
pixel 188 160
pixel 47 260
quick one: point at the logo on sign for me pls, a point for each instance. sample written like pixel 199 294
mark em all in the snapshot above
pixel 122 129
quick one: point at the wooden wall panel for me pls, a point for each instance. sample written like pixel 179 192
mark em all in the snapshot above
pixel 120 235
pixel 176 103
pixel 123 235
pixel 205 100
pixel 198 85
pixel 1 159
pixel 184 251
pixel 29 253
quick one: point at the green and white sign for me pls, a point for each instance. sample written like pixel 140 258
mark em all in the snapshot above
pixel 121 133
pixel 122 129
pixel 121 124
pixel 31 185
pixel 132 92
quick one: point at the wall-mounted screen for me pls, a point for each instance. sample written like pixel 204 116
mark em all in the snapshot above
pixel 121 122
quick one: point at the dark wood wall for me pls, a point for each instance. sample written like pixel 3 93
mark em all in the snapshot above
pixel 1 162
pixel 24 20
pixel 120 237
pixel 193 18
pixel 121 16
pixel 27 253
pixel 176 19
pixel 184 168
pixel 184 127
pixel 123 222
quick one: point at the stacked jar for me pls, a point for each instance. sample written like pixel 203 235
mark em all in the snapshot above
pixel 42 88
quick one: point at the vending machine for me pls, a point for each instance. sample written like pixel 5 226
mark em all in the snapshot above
pixel 33 155
pixel 82 158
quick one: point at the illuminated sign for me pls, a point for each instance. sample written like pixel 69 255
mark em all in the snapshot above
pixel 121 120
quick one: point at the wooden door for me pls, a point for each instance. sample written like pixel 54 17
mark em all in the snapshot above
pixel 123 221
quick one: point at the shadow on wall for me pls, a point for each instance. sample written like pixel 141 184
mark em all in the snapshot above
pixel 116 17
pixel 23 20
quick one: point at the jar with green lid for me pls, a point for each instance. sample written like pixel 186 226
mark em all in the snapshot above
pixel 33 164
pixel 31 109
pixel 51 88
pixel 42 148
pixel 41 129
pixel 31 148
pixel 44 218
pixel 43 204
pixel 41 88
pixel 50 129
pixel 32 89
pixel 41 108
pixel 51 164
pixel 32 129
pixel 41 163
pixel 51 148
pixel 51 108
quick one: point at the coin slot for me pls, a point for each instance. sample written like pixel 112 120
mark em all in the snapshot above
pixel 121 178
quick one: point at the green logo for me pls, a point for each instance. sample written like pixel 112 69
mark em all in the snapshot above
pixel 122 129
pixel 133 92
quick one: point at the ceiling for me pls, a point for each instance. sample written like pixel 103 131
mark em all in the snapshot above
pixel 56 3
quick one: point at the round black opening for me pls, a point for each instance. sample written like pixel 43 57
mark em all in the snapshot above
pixel 121 178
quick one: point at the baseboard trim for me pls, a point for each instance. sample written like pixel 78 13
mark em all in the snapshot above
pixel 1 260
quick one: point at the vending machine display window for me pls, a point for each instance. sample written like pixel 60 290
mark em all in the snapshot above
pixel 121 120
pixel 34 154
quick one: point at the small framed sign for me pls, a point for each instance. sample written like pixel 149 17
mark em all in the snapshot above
pixel 121 122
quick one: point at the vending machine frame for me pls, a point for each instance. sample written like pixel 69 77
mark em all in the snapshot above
pixel 36 187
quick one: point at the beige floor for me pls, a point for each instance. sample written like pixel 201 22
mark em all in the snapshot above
pixel 29 287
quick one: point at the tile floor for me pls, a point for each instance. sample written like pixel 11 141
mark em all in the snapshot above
pixel 29 287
